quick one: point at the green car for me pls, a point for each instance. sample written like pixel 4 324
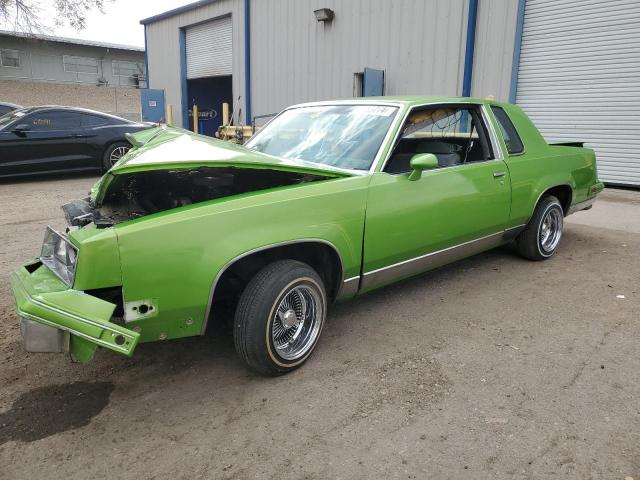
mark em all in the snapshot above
pixel 330 200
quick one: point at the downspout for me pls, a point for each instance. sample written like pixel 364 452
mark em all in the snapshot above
pixel 146 57
pixel 470 47
pixel 517 44
pixel 247 60
pixel 184 100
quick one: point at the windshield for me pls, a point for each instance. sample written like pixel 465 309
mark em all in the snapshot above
pixel 11 116
pixel 343 136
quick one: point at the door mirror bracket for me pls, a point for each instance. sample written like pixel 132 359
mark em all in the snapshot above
pixel 420 162
pixel 21 129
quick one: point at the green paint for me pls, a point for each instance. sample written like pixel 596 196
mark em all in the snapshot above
pixel 174 256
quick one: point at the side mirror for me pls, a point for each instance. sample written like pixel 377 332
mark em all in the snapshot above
pixel 420 162
pixel 20 129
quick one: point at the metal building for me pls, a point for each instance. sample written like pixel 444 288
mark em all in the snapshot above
pixel 41 69
pixel 572 64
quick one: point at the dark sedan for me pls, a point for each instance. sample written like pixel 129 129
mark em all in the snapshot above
pixel 53 139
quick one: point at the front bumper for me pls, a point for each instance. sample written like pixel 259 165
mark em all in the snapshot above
pixel 42 297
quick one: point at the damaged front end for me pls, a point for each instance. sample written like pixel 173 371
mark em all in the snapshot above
pixel 72 297
pixel 138 194
pixel 56 318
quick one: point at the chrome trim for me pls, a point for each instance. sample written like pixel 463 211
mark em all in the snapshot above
pixel 576 207
pixel 44 321
pixel 499 174
pixel 224 268
pixel 423 263
pixel 550 230
pixel 512 233
pixel 348 288
pixel 497 153
pixel 517 227
pixel 51 308
pixel 524 147
pixel 439 169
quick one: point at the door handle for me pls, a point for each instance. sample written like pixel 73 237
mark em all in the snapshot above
pixel 499 174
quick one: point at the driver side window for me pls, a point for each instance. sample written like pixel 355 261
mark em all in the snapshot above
pixel 455 134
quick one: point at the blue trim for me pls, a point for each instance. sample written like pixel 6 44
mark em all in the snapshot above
pixel 517 44
pixel 247 60
pixel 146 57
pixel 183 78
pixel 176 11
pixel 470 48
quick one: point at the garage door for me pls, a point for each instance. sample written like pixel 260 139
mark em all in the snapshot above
pixel 209 50
pixel 579 78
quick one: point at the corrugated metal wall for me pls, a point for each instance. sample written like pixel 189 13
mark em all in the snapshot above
pixel 163 49
pixel 579 78
pixel 495 34
pixel 209 48
pixel 296 59
pixel 419 43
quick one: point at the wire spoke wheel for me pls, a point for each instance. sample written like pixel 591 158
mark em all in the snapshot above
pixel 117 153
pixel 550 230
pixel 296 322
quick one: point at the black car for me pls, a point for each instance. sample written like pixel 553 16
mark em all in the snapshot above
pixel 52 139
pixel 8 107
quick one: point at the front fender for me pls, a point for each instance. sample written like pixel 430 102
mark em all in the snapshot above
pixel 172 258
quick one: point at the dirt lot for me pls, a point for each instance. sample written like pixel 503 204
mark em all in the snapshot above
pixel 491 368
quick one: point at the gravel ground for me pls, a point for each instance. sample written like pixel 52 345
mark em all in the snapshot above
pixel 494 367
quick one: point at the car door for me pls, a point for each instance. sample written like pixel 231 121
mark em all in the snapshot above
pixel 450 212
pixel 43 141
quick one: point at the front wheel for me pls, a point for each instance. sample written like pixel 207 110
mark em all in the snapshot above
pixel 541 237
pixel 113 153
pixel 279 317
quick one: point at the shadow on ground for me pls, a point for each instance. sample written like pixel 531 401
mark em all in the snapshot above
pixel 46 411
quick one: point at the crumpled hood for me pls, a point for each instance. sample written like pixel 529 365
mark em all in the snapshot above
pixel 170 147
pixel 164 158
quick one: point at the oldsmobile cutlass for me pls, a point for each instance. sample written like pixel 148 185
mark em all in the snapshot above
pixel 330 200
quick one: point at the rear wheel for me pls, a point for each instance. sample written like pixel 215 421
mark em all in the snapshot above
pixel 113 153
pixel 541 237
pixel 279 317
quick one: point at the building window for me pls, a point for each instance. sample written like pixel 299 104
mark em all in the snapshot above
pixel 122 68
pixel 80 64
pixel 9 58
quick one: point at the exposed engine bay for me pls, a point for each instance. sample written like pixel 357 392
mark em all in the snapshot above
pixel 134 195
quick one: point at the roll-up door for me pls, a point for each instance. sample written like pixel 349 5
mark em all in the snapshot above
pixel 579 78
pixel 209 49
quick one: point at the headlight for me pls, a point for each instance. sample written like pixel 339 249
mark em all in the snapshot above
pixel 59 255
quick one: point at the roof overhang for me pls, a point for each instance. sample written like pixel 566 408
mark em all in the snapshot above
pixel 176 11
pixel 71 41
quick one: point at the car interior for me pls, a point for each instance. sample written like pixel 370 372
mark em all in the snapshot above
pixel 456 135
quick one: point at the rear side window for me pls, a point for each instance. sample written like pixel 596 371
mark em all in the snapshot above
pixel 509 133
pixel 95 120
pixel 52 120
